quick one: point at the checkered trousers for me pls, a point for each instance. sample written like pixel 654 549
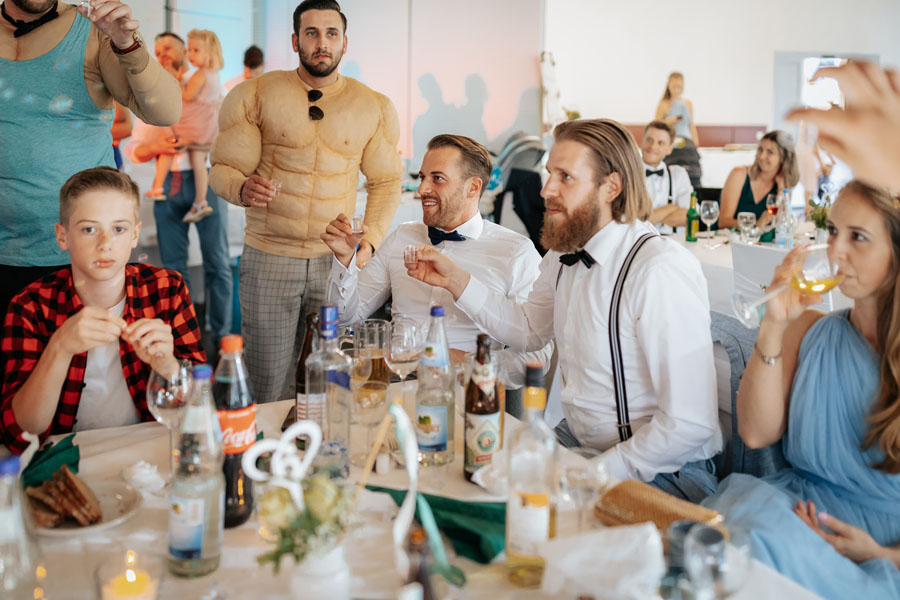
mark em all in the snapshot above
pixel 276 293
pixel 41 308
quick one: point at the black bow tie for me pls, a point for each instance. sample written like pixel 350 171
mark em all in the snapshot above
pixel 23 27
pixel 582 255
pixel 437 236
pixel 649 172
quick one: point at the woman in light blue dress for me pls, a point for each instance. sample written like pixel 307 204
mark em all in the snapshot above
pixel 827 384
pixel 678 112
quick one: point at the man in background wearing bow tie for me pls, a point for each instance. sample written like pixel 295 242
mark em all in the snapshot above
pixel 628 309
pixel 454 173
pixel 669 186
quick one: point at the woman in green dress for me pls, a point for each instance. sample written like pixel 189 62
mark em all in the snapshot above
pixel 746 188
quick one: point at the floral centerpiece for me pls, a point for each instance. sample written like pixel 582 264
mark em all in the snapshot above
pixel 818 214
pixel 315 529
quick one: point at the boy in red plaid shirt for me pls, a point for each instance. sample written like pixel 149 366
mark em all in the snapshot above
pixel 79 344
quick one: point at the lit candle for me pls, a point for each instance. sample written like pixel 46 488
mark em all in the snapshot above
pixel 133 584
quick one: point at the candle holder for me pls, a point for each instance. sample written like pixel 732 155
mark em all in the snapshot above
pixel 130 577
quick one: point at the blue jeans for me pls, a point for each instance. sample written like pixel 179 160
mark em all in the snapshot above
pixel 693 482
pixel 172 234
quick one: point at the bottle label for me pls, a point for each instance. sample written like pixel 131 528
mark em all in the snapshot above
pixel 693 228
pixel 339 378
pixel 186 527
pixel 431 427
pixel 528 522
pixel 482 440
pixel 433 356
pixel 238 429
pixel 311 407
pixel 484 377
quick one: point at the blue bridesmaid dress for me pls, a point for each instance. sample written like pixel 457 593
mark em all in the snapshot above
pixel 835 387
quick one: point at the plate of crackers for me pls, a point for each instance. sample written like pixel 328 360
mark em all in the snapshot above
pixel 67 505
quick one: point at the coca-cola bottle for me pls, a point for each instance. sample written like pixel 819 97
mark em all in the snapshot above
pixel 237 420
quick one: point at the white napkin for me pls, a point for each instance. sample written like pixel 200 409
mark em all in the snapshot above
pixel 144 476
pixel 611 563
pixel 493 477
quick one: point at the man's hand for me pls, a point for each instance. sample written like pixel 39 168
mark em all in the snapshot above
pixel 257 192
pixel 114 19
pixel 365 252
pixel 849 541
pixel 435 269
pixel 89 328
pixel 341 240
pixel 153 343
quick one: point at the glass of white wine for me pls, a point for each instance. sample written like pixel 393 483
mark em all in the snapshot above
pixel 817 276
pixel 407 341
pixel 166 398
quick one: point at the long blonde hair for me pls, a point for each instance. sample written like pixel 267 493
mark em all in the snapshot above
pixel 789 169
pixel 884 429
pixel 667 95
pixel 213 48
pixel 614 151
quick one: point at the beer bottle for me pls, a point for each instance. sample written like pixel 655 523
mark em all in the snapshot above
pixel 482 419
pixel 692 224
pixel 310 345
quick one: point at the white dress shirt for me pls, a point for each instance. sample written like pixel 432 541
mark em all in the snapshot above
pixel 506 261
pixel 658 186
pixel 666 348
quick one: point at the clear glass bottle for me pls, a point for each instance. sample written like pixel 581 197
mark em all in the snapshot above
pixel 329 398
pixel 197 497
pixel 435 396
pixel 18 550
pixel 531 506
pixel 310 345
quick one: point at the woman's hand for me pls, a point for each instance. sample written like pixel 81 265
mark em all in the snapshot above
pixel 849 541
pixel 433 268
pixel 764 220
pixel 789 304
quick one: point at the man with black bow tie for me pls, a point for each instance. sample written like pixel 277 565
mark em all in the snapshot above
pixel 62 68
pixel 669 186
pixel 628 309
pixel 454 173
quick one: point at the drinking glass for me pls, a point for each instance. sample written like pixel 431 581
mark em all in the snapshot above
pixel 581 479
pixel 166 399
pixel 368 410
pixel 277 184
pixel 407 341
pixel 746 221
pixel 356 224
pixel 709 214
pixel 805 135
pixel 371 338
pixel 716 564
pixel 817 276
pixel 772 205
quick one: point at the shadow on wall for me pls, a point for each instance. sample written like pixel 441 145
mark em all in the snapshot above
pixel 468 119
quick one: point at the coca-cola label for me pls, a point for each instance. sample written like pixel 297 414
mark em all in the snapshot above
pixel 238 429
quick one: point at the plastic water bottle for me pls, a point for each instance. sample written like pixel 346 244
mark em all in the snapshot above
pixel 436 396
pixel 18 552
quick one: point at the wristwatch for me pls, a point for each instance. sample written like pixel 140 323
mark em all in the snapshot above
pixel 137 44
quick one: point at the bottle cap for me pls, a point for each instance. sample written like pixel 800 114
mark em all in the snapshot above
pixel 9 466
pixel 202 371
pixel 329 314
pixel 437 311
pixel 232 344
pixel 534 375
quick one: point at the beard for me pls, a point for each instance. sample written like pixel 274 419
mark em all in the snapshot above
pixel 572 232
pixel 34 7
pixel 320 69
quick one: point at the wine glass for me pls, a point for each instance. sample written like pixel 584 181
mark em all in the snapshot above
pixel 166 399
pixel 709 214
pixel 746 221
pixel 582 476
pixel 772 205
pixel 817 276
pixel 407 341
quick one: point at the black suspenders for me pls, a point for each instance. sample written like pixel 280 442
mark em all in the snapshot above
pixel 669 175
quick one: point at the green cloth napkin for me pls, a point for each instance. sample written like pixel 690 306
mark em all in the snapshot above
pixel 477 530
pixel 46 462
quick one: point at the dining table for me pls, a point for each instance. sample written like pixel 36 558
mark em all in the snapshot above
pixel 71 559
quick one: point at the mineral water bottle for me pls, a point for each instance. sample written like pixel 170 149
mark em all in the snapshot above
pixel 197 498
pixel 18 551
pixel 435 396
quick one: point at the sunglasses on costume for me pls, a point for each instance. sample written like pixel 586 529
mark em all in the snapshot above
pixel 315 113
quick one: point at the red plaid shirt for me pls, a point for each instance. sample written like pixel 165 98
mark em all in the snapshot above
pixel 42 307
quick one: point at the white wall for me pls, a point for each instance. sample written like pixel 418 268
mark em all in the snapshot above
pixel 613 57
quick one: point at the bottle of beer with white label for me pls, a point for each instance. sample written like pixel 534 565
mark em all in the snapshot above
pixel 237 420
pixel 482 421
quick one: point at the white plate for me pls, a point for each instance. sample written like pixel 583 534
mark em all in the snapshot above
pixel 118 503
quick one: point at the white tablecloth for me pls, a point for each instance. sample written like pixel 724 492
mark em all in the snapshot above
pixel 106 452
